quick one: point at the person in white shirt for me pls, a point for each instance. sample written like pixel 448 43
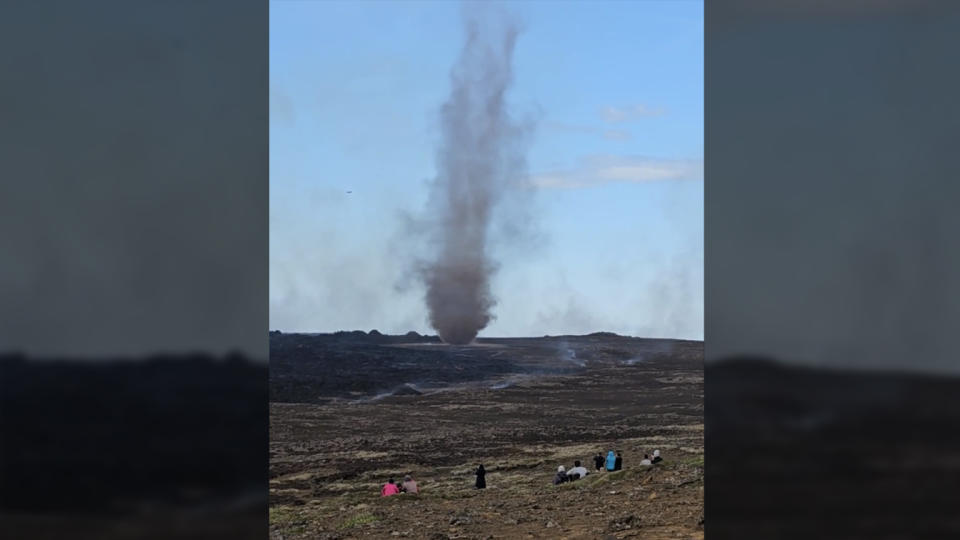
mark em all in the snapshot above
pixel 577 469
pixel 646 460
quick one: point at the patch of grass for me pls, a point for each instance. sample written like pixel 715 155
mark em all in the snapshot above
pixel 357 520
pixel 603 478
pixel 282 515
pixel 448 495
pixel 579 484
pixel 287 518
pixel 403 498
pixel 696 461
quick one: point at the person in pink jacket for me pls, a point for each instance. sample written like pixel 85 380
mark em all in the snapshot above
pixel 390 488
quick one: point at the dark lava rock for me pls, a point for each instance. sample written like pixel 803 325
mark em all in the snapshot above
pixel 311 368
pixel 623 523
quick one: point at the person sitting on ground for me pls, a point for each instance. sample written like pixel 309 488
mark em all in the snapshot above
pixel 611 460
pixel 598 461
pixel 646 460
pixel 577 471
pixel 618 463
pixel 481 477
pixel 390 488
pixel 561 476
pixel 410 485
pixel 656 456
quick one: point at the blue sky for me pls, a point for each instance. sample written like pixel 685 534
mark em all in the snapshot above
pixel 617 92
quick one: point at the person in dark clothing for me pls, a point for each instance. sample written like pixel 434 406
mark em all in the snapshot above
pixel 561 476
pixel 481 477
pixel 618 463
pixel 598 461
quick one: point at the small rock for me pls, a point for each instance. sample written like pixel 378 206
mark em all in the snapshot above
pixel 395 533
pixel 551 525
pixel 624 523
pixel 460 520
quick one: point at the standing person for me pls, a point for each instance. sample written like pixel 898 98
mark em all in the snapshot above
pixel 410 485
pixel 618 463
pixel 389 489
pixel 481 477
pixel 598 461
pixel 611 461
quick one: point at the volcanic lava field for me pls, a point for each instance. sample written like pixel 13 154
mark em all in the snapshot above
pixel 352 409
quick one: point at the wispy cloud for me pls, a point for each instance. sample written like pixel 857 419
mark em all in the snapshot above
pixel 615 115
pixel 604 169
pixel 617 135
pixel 608 134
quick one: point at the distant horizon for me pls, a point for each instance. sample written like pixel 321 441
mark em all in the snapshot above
pixel 367 332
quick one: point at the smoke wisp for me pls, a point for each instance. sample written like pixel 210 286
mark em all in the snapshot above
pixel 481 165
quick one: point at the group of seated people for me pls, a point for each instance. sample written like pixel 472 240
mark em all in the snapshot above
pixel 613 462
pixel 648 461
pixel 575 473
pixel 409 485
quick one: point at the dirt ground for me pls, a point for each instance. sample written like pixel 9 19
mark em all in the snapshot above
pixel 560 400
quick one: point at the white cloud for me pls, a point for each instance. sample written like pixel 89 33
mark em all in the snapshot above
pixel 608 134
pixel 617 135
pixel 597 170
pixel 616 115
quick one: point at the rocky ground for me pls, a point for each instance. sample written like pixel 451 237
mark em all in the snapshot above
pixel 519 406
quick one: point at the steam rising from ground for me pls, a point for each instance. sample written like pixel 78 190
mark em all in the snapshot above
pixel 480 162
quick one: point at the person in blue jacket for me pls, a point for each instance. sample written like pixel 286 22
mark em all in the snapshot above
pixel 611 460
